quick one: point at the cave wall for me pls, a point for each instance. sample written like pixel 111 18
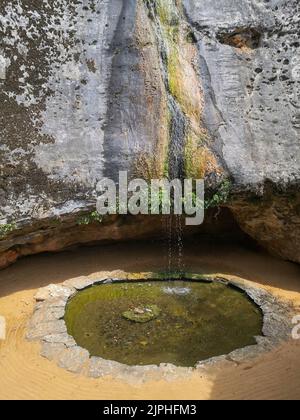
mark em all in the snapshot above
pixel 186 88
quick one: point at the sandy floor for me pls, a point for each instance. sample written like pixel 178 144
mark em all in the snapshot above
pixel 26 375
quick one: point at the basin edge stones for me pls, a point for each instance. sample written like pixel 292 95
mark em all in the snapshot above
pixel 47 326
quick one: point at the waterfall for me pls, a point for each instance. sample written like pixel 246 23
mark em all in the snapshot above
pixel 176 171
pixel 177 136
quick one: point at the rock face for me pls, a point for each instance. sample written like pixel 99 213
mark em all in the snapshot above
pixel 190 88
pixel 250 68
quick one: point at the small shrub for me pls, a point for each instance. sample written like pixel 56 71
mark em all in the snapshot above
pixel 221 197
pixel 90 218
pixel 6 229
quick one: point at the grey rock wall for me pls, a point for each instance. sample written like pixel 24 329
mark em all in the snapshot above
pixel 250 66
pixel 56 64
pixel 78 79
pixel 87 88
pixel 250 54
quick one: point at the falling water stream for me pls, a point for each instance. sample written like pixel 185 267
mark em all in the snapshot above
pixel 176 164
pixel 176 171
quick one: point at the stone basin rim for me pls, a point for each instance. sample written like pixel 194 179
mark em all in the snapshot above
pixel 47 326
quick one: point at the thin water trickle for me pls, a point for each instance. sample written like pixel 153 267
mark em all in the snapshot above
pixel 175 244
pixel 179 235
pixel 177 130
pixel 176 171
pixel 177 140
pixel 169 243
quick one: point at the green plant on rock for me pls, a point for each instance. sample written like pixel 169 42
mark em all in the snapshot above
pixel 221 197
pixel 6 229
pixel 90 218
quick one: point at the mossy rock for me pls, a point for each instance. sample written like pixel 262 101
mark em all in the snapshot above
pixel 142 314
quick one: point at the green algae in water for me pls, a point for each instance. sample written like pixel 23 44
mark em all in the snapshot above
pixel 196 321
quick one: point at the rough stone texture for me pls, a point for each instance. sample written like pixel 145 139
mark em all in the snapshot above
pixel 57 59
pixel 51 351
pixel 77 83
pixel 58 303
pixel 73 359
pixel 251 71
pixel 63 338
pixel 277 314
pixel 241 355
pixel 252 93
pixel 48 314
pixel 54 291
pixel 79 283
pixel 99 367
pixel 87 89
pixel 274 221
pixel 40 330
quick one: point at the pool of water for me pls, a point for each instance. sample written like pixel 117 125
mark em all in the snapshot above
pixel 188 322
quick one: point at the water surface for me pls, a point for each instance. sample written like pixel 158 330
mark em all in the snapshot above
pixel 197 321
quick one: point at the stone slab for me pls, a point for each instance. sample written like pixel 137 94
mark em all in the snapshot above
pixel 73 359
pixel 39 331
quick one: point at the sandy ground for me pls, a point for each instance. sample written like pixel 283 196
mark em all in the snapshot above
pixel 24 374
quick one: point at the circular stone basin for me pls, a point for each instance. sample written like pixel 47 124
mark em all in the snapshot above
pixel 189 322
